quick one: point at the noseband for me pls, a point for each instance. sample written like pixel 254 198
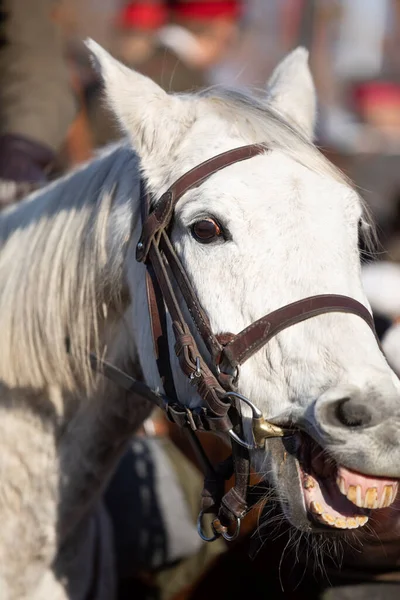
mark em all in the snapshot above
pixel 215 375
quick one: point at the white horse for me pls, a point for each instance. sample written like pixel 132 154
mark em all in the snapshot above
pixel 289 225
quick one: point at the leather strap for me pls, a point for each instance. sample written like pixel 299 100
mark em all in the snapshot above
pixel 127 382
pixel 197 313
pixel 156 250
pixel 186 348
pixel 198 420
pixel 158 322
pixel 161 215
pixel 233 505
pixel 214 485
pixel 199 174
pixel 154 240
pixel 157 315
pixel 250 340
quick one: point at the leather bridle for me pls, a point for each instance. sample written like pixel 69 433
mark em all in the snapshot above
pixel 215 376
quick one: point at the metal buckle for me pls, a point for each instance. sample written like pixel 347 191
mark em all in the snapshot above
pixel 219 530
pixel 222 530
pixel 235 377
pixel 196 374
pixel 262 429
pixel 190 419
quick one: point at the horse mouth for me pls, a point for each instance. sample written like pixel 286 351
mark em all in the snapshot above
pixel 335 496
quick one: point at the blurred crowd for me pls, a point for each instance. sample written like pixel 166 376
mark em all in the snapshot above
pixel 51 119
pixel 49 93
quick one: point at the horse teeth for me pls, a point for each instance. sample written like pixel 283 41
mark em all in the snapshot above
pixel 340 482
pixel 351 523
pixel 316 508
pixel 309 482
pixel 395 489
pixel 388 495
pixel 327 519
pixel 354 495
pixel 341 523
pixel 371 498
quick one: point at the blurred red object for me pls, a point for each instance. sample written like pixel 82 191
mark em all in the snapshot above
pixel 376 92
pixel 152 14
pixel 143 15
pixel 378 104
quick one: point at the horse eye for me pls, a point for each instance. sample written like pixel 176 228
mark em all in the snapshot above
pixel 206 231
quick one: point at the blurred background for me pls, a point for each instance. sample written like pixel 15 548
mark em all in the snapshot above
pixel 52 118
pixel 183 44
pixel 354 53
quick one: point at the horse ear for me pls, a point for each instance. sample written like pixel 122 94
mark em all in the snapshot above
pixel 151 117
pixel 291 91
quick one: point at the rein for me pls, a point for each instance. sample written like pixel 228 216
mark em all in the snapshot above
pixel 215 376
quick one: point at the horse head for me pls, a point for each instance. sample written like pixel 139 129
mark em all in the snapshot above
pixel 252 238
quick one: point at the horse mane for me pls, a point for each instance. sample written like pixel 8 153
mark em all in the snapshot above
pixel 54 275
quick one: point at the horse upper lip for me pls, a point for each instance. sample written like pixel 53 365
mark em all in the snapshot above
pixel 284 423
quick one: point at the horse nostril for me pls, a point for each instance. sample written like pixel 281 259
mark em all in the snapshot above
pixel 351 408
pixel 353 413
